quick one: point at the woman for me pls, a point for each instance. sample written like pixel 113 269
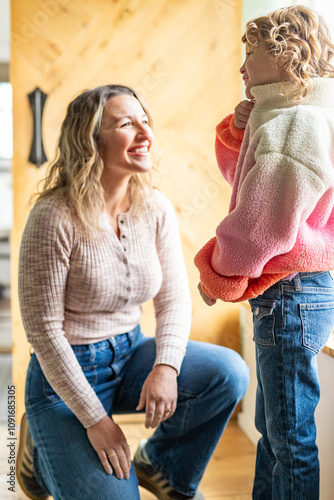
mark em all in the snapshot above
pixel 98 243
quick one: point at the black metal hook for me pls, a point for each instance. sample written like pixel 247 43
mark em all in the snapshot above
pixel 37 100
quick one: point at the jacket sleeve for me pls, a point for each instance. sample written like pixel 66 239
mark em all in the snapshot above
pixel 276 199
pixel 228 143
pixel 230 288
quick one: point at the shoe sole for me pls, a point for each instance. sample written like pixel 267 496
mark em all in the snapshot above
pixel 146 483
pixel 20 455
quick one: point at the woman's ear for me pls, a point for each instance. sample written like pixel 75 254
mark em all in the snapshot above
pixel 99 141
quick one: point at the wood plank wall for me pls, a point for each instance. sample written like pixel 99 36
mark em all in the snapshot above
pixel 182 57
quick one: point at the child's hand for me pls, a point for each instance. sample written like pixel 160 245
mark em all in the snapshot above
pixel 242 112
pixel 208 300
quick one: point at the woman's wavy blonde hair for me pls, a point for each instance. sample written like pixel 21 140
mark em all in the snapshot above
pixel 77 168
pixel 299 40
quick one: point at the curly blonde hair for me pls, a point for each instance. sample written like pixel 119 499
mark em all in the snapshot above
pixel 77 168
pixel 299 40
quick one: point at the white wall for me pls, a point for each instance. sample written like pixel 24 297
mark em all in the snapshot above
pixel 254 8
pixel 4 30
pixel 247 415
pixel 6 204
pixel 325 421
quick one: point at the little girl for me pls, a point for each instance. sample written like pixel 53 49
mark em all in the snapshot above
pixel 276 245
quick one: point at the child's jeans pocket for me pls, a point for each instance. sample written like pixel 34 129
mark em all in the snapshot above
pixel 264 321
pixel 315 320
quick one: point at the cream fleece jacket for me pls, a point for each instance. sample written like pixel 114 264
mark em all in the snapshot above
pixel 281 217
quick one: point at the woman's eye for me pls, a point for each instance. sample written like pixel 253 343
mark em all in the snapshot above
pixel 146 122
pixel 126 124
pixel 249 53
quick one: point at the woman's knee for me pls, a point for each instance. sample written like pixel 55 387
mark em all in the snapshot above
pixel 95 484
pixel 232 376
pixel 100 485
pixel 217 369
pixel 238 376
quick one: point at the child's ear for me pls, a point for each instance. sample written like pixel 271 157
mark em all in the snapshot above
pixel 282 60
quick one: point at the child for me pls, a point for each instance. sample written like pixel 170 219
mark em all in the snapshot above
pixel 276 245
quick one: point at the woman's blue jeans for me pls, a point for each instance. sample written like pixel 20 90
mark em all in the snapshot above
pixel 292 322
pixel 212 381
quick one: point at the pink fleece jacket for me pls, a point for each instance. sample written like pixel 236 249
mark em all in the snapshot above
pixel 281 216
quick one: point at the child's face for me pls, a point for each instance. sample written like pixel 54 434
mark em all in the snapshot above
pixel 259 68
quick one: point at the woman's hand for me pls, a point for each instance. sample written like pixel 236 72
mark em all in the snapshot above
pixel 208 300
pixel 111 446
pixel 159 395
pixel 242 112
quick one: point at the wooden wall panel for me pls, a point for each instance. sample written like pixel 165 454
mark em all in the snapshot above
pixel 182 57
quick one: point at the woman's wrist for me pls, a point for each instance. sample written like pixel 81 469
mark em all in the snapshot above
pixel 163 368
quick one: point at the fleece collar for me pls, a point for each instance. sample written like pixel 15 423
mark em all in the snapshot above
pixel 271 95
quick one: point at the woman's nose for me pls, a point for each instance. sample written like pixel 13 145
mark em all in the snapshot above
pixel 144 131
pixel 242 69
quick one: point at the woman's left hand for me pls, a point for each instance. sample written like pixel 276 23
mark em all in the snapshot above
pixel 159 395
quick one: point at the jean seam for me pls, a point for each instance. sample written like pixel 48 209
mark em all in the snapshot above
pixel 310 291
pixel 318 305
pixel 162 469
pixel 49 467
pixel 37 472
pixel 286 419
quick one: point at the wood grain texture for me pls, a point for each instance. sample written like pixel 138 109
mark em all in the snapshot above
pixel 182 57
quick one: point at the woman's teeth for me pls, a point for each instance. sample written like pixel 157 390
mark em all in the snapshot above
pixel 143 149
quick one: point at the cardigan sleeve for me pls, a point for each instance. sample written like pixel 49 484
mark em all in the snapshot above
pixel 228 144
pixel 43 268
pixel 290 175
pixel 172 303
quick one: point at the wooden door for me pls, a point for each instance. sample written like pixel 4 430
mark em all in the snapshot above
pixel 182 57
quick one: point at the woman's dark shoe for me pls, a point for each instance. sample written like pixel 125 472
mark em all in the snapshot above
pixel 24 464
pixel 150 479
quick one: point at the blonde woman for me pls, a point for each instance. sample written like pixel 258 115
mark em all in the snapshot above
pixel 98 243
pixel 276 246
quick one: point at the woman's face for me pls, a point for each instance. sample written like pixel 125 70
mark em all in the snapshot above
pixel 125 137
pixel 259 68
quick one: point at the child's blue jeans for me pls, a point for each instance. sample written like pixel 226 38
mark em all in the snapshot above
pixel 292 322
pixel 212 381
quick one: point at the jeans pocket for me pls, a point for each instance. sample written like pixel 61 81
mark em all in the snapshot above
pixel 317 324
pixel 49 392
pixel 263 321
pixel 90 374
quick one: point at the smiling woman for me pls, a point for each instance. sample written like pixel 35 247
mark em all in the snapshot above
pixel 125 137
pixel 124 141
pixel 93 147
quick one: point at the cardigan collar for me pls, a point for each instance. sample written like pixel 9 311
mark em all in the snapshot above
pixel 271 95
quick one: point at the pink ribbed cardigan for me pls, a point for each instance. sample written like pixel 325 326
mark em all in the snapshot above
pixel 81 289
